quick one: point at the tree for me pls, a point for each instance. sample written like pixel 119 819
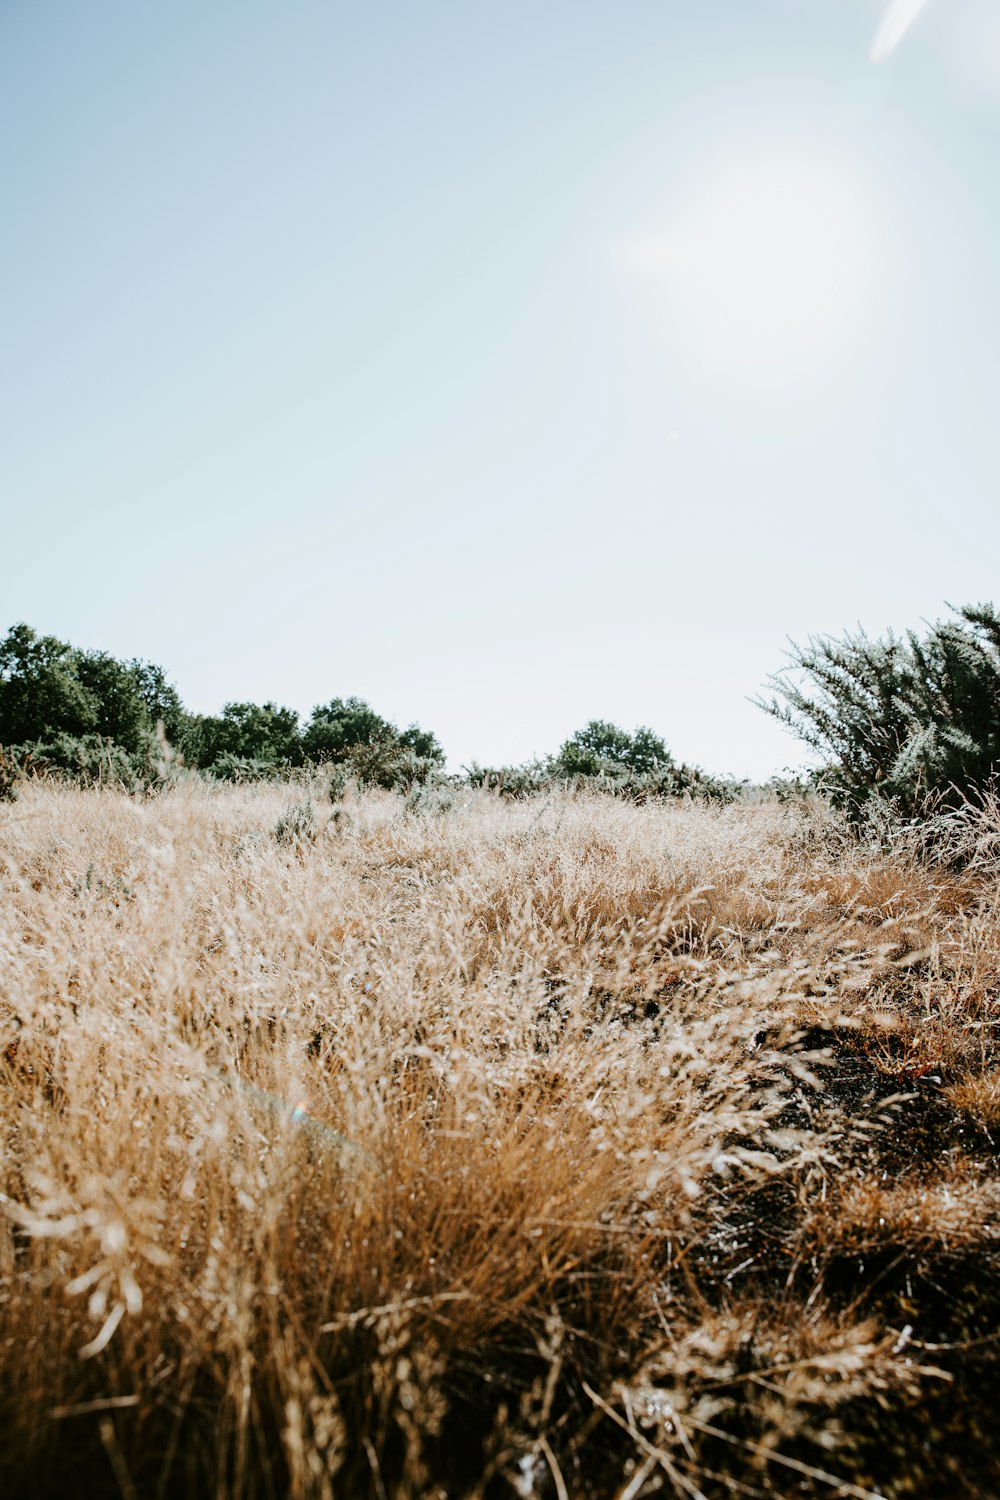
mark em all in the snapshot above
pixel 349 734
pixel 162 700
pixel 603 749
pixel 422 743
pixel 244 732
pixel 50 689
pixel 118 709
pixel 342 725
pixel 40 690
pixel 87 714
pixel 899 719
pixel 81 712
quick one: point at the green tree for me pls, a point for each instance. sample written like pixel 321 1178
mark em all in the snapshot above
pixel 348 733
pixel 162 700
pixel 261 732
pixel 118 709
pixel 342 725
pixel 603 749
pixel 422 743
pixel 40 690
pixel 50 689
pixel 86 714
pixel 83 714
pixel 345 726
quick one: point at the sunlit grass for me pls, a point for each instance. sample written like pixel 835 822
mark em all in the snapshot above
pixel 555 1147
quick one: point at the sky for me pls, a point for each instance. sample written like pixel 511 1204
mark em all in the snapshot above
pixel 507 365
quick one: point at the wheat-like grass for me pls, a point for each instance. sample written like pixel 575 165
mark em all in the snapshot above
pixel 485 1147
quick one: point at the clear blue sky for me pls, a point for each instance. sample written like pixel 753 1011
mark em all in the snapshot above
pixel 509 364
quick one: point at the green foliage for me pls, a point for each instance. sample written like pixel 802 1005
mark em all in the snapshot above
pixel 242 768
pixel 602 749
pixel 161 698
pixel 86 760
pixel 51 693
pixel 297 824
pixel 10 775
pixel 511 782
pixel 348 733
pixel 86 715
pixel 243 732
pixel 432 798
pixel 347 728
pixel 900 721
pixel 680 780
pixel 607 758
pixel 638 766
pixel 40 691
pixel 422 744
pixel 342 725
pixel 117 709
pixel 391 766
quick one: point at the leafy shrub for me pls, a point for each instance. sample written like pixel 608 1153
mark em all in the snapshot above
pixel 337 784
pixel 9 777
pixel 907 722
pixel 87 716
pixel 249 733
pixel 511 781
pixel 390 766
pixel 242 768
pixel 678 780
pixel 297 824
pixel 604 757
pixel 638 766
pixel 88 760
pixel 603 749
pixel 349 733
pixel 431 798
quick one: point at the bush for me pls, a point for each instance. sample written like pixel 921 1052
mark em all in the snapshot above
pixel 638 766
pixel 678 781
pixel 86 716
pixel 349 733
pixel 908 722
pixel 390 766
pixel 606 758
pixel 297 824
pixel 242 768
pixel 244 734
pixel 87 760
pixel 602 749
pixel 10 775
pixel 511 781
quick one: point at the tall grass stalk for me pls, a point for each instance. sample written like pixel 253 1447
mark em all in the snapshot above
pixel 557 1147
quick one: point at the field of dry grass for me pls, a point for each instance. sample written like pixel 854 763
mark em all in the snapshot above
pixel 556 1148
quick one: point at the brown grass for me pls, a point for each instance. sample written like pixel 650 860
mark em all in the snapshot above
pixel 555 1148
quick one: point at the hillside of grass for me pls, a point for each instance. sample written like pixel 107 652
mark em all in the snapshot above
pixel 555 1147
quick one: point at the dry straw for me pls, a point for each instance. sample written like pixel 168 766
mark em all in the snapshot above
pixel 562 1147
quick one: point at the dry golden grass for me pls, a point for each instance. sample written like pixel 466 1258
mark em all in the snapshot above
pixel 562 1147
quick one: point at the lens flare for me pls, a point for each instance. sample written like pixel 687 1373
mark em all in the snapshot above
pixel 895 24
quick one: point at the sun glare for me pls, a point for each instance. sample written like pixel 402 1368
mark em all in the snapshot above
pixel 764 271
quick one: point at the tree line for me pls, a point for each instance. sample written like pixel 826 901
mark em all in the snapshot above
pixel 907 723
pixel 88 715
